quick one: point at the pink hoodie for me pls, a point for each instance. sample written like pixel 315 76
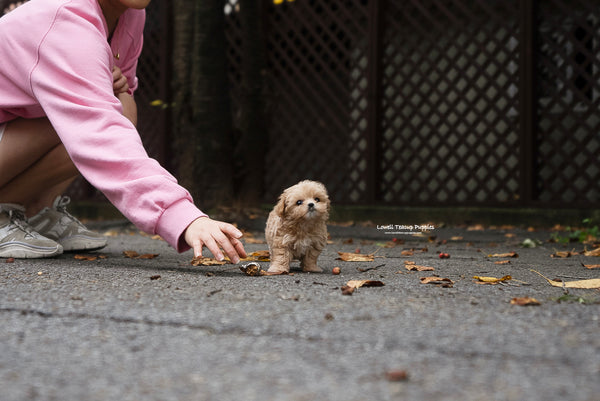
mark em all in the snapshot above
pixel 55 61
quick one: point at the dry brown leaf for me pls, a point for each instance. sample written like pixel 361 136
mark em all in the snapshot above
pixel 595 252
pixel 563 254
pixel 586 284
pixel 591 266
pixel 205 261
pixel 89 257
pixel 443 282
pixel 491 280
pixel 135 255
pixel 407 253
pixel 131 254
pixel 456 238
pixel 254 240
pixel 148 256
pixel 476 227
pixel 364 283
pixel 258 256
pixel 418 268
pixel 524 301
pixel 504 255
pixel 502 262
pixel 356 257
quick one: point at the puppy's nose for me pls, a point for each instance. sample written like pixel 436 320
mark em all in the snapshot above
pixel 311 205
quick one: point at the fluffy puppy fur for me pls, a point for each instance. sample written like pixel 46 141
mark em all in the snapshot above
pixel 297 227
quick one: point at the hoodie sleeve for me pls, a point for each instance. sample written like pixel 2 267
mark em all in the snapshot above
pixel 72 81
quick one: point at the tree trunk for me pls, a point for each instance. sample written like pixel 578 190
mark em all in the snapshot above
pixel 252 147
pixel 201 108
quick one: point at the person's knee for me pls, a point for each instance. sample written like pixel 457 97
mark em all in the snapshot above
pixel 64 160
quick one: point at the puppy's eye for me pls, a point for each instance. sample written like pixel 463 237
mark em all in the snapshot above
pixel 298 202
pixel 317 200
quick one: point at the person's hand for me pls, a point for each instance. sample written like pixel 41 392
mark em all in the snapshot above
pixel 215 235
pixel 120 84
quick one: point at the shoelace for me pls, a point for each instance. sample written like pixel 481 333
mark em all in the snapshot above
pixel 17 218
pixel 61 207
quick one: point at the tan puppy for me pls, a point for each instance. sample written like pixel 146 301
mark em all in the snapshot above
pixel 297 227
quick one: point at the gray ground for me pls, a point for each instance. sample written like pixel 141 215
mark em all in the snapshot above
pixel 104 330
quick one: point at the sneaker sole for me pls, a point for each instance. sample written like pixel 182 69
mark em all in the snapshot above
pixel 26 251
pixel 82 243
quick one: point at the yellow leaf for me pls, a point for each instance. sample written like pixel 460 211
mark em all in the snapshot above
pixel 356 257
pixel 524 301
pixel 587 284
pixel 595 252
pixel 504 255
pixel 491 279
pixel 258 256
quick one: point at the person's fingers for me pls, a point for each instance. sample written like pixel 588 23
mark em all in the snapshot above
pixel 230 230
pixel 197 247
pixel 239 247
pixel 212 246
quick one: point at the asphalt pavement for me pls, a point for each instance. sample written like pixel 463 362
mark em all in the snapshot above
pixel 103 326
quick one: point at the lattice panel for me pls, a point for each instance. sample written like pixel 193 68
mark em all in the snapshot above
pixel 235 38
pixel 310 46
pixel 568 70
pixel 450 102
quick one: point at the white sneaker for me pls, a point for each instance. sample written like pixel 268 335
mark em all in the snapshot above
pixel 58 224
pixel 19 240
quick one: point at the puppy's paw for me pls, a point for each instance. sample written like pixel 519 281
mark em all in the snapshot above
pixel 276 268
pixel 312 269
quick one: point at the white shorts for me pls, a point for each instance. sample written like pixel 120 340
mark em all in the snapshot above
pixel 2 127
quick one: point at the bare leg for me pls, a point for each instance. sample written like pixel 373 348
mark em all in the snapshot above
pixel 308 262
pixel 34 165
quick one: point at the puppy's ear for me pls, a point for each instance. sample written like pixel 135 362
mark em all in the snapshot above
pixel 279 208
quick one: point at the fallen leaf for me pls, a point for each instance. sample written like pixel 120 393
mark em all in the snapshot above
pixel 356 257
pixel 257 256
pixel 456 238
pixel 364 283
pixel 587 284
pixel 591 266
pixel 562 254
pixel 396 375
pixel 595 252
pixel 85 257
pixel 491 280
pixel 155 277
pixel 131 254
pixel 205 261
pixel 504 255
pixel 254 241
pixel 148 256
pixel 443 282
pixel 10 260
pixel 418 268
pixel 476 227
pixel 502 262
pixel 524 301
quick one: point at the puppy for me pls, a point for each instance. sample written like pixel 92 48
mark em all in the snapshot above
pixel 297 227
